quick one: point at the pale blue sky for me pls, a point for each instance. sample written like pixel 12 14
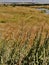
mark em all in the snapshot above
pixel 40 1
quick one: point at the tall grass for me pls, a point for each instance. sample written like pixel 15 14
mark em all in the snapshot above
pixel 38 54
pixel 12 53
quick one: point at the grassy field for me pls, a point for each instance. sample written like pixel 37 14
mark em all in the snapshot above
pixel 20 13
pixel 43 6
pixel 24 36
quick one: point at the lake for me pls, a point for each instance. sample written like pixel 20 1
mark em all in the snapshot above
pixel 44 10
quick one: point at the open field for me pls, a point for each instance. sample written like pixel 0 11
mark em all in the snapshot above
pixel 24 36
pixel 43 6
pixel 20 13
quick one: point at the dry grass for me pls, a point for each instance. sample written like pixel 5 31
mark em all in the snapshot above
pixel 20 24
pixel 46 6
pixel 15 20
pixel 17 14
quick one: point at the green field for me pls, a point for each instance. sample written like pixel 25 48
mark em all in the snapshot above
pixel 24 36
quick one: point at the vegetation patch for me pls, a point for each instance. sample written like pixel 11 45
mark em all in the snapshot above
pixel 24 36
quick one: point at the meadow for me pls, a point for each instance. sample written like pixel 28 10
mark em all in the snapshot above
pixel 24 36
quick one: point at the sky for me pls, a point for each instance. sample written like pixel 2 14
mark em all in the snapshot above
pixel 39 1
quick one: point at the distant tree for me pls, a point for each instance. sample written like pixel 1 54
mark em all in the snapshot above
pixel 4 4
